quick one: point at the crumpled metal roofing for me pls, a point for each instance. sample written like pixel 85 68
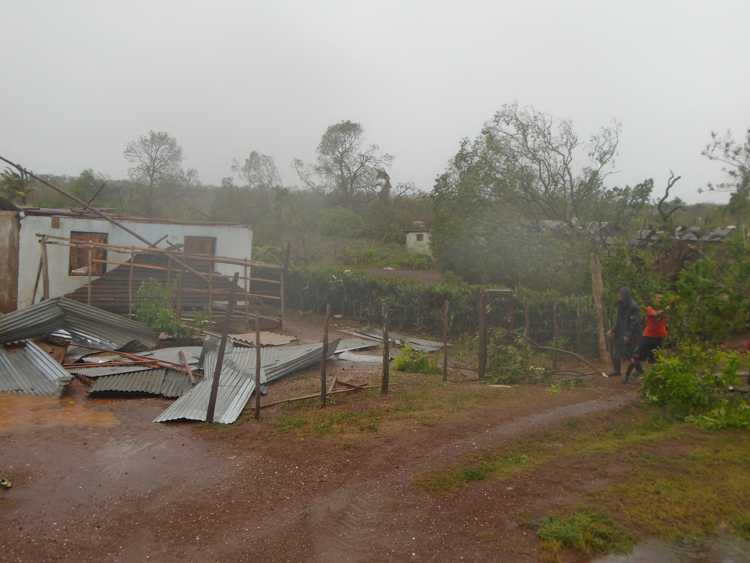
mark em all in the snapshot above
pixel 400 340
pixel 106 371
pixel 166 382
pixel 87 325
pixel 29 369
pixel 237 379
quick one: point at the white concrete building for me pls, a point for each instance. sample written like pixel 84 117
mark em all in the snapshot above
pixel 20 250
pixel 418 239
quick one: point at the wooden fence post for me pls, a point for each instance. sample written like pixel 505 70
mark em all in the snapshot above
pixel 38 277
pixel 445 340
pixel 220 355
pixel 482 333
pixel 323 361
pixel 386 352
pixel 258 348
pixel 555 334
pixel 90 269
pixel 45 270
pixel 282 288
pixel 130 282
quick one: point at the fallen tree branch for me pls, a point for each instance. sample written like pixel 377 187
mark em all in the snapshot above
pixel 315 396
pixel 561 351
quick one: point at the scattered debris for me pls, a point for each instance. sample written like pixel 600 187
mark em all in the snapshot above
pixel 164 382
pixel 5 484
pixel 399 339
pixel 267 338
pixel 352 344
pixel 359 358
pixel 237 379
pixel 87 325
pixel 26 368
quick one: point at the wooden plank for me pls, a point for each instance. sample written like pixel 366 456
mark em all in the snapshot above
pixel 324 359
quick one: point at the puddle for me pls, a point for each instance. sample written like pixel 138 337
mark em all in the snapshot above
pixel 28 412
pixel 716 550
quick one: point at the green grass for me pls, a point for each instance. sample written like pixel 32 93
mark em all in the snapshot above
pixel 526 454
pixel 584 531
pixel 689 496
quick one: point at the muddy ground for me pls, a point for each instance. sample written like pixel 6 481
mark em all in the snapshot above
pixel 96 480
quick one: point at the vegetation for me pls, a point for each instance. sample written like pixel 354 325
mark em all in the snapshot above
pixel 414 361
pixel 585 531
pixel 153 306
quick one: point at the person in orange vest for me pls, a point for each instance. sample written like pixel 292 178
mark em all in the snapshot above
pixel 653 336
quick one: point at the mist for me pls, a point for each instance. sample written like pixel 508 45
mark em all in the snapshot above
pixel 82 78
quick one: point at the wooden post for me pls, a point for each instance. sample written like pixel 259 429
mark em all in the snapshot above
pixel 578 327
pixel 38 277
pixel 555 334
pixel 130 282
pixel 257 365
pixel 247 295
pixel 386 352
pixel 324 359
pixel 90 268
pixel 284 271
pixel 445 340
pixel 178 297
pixel 220 355
pixel 526 319
pixel 482 333
pixel 210 296
pixel 45 270
pixel 597 293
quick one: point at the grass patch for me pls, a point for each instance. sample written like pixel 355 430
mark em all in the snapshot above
pixel 526 454
pixel 586 532
pixel 690 496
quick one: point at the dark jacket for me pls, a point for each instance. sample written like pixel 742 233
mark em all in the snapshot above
pixel 628 326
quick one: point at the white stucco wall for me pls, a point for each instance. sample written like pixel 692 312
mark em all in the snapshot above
pixel 419 246
pixel 231 241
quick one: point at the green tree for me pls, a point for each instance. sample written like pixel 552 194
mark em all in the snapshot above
pixel 735 158
pixel 155 157
pixel 15 186
pixel 344 165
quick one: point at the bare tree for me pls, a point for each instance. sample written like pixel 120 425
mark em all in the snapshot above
pixel 344 166
pixel 258 171
pixel 735 156
pixel 155 157
pixel 663 206
pixel 535 158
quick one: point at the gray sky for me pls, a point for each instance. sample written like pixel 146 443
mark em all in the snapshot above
pixel 81 78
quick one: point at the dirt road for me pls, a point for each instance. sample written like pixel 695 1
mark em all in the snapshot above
pixel 109 485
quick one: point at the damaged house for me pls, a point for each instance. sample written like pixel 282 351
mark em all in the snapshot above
pixel 71 265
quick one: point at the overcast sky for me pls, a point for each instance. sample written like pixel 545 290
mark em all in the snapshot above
pixel 81 78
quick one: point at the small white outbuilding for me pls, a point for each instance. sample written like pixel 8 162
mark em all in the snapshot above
pixel 418 239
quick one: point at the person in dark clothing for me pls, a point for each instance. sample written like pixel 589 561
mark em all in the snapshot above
pixel 627 330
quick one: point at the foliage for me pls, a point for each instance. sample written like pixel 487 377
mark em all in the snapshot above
pixel 358 295
pixel 396 256
pixel 344 166
pixel 493 206
pixel 414 361
pixel 728 414
pixel 257 171
pixel 585 531
pixel 511 360
pixel 735 157
pixel 156 158
pixel 340 222
pixel 696 381
pixel 153 307
pixel 15 186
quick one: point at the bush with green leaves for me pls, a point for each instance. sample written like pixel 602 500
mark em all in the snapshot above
pixel 414 361
pixel 695 382
pixel 511 359
pixel 340 222
pixel 153 306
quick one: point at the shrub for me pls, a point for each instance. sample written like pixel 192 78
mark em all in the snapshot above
pixel 694 383
pixel 153 307
pixel 340 222
pixel 585 531
pixel 414 361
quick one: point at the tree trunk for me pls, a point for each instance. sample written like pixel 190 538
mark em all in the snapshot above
pixel 597 291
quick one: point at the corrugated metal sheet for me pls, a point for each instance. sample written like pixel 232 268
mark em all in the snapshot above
pixel 237 380
pixel 29 369
pixel 399 339
pixel 87 325
pixel 351 344
pixel 165 382
pixel 149 381
pixel 105 371
pixel 192 354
